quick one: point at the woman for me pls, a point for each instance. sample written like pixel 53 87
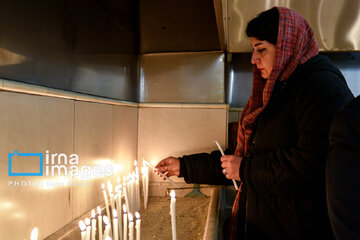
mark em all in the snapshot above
pixel 282 137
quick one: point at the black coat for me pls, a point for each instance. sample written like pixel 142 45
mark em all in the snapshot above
pixel 343 172
pixel 283 195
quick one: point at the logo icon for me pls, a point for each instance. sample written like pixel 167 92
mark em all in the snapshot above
pixel 10 159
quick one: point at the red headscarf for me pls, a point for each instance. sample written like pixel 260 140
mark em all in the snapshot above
pixel 295 45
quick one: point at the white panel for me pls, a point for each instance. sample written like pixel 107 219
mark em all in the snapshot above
pixel 125 138
pixel 94 145
pixel 33 124
pixel 175 132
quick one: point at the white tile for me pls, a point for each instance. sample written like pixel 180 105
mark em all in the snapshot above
pixel 125 138
pixel 94 145
pixel 33 124
pixel 167 132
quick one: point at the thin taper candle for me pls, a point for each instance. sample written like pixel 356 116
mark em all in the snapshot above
pixel 125 223
pixel 222 153
pixel 137 215
pixel 115 225
pixel 88 229
pixel 131 227
pixel 83 229
pixel 99 223
pixel 173 214
pixel 93 225
pixel 106 201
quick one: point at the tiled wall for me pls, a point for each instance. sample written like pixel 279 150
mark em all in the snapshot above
pixel 176 130
pixel 98 133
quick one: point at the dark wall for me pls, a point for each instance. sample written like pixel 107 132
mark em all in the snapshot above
pixel 86 46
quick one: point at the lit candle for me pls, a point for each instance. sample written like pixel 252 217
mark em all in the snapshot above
pixel 108 238
pixel 115 225
pixel 126 197
pixel 145 176
pixel 88 228
pixel 107 226
pixel 99 222
pixel 173 214
pixel 118 207
pixel 106 200
pixel 110 189
pixel 131 227
pixel 83 229
pixel 34 234
pixel 137 215
pixel 93 225
pixel 125 222
pixel 137 190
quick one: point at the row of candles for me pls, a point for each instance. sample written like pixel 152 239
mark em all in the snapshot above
pixel 121 228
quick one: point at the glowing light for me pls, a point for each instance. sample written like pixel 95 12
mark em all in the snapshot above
pixel 82 225
pixel 172 194
pixel 34 234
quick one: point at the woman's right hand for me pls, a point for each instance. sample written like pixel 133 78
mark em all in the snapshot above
pixel 169 166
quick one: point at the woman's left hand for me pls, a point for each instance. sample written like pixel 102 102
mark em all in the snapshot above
pixel 231 166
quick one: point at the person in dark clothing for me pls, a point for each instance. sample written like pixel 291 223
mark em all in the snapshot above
pixel 282 137
pixel 342 172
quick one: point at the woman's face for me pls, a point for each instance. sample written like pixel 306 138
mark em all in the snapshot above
pixel 263 56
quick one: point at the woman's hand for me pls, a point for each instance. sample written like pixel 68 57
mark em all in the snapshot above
pixel 169 166
pixel 231 166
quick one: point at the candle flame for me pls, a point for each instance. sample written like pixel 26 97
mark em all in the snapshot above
pixel 130 216
pixel 137 215
pixel 103 186
pixel 172 194
pixel 106 220
pixel 108 238
pixel 114 213
pixel 34 234
pixel 93 213
pixel 82 225
pixel 99 210
pixel 87 222
pixel 135 163
pixel 124 208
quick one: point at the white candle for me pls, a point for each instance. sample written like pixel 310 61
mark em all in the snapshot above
pixel 111 194
pixel 125 222
pixel 107 226
pixel 83 229
pixel 106 200
pixel 137 215
pixel 34 234
pixel 131 227
pixel 115 225
pixel 93 225
pixel 137 190
pixel 118 208
pixel 222 153
pixel 88 228
pixel 108 238
pixel 145 176
pixel 173 214
pixel 99 222
pixel 126 198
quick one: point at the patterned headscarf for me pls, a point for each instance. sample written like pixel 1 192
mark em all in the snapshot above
pixel 296 43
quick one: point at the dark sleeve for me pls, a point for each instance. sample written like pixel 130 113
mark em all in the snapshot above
pixel 203 168
pixel 297 168
pixel 343 174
